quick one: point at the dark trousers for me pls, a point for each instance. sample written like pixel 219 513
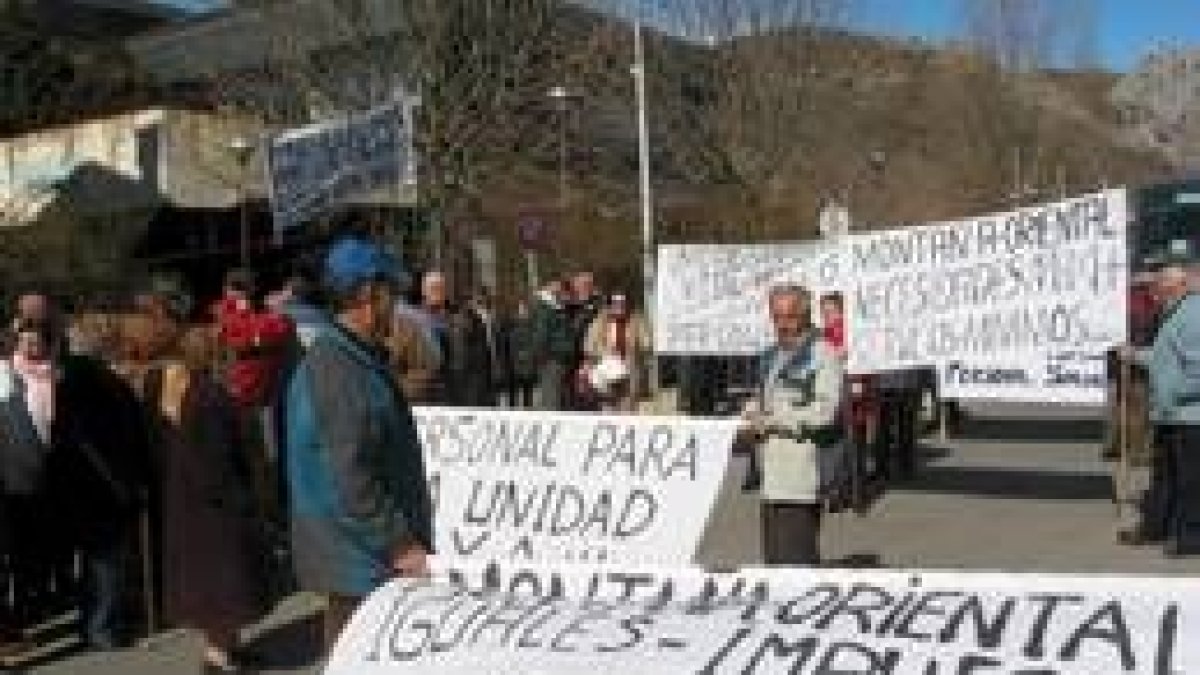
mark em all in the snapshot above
pixel 337 615
pixel 520 392
pixel 552 386
pixel 31 560
pixel 104 593
pixel 1184 518
pixel 791 534
pixel 1158 502
pixel 896 440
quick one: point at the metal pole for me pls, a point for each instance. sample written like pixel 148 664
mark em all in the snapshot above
pixel 562 159
pixel 639 71
pixel 1124 469
pixel 531 270
pixel 244 230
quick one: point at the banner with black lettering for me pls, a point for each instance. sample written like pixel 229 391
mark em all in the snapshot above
pixel 1075 377
pixel 712 299
pixel 760 622
pixel 562 487
pixel 1011 306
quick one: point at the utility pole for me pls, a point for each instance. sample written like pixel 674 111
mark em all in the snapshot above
pixel 648 262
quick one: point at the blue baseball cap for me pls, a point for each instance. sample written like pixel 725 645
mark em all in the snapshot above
pixel 351 262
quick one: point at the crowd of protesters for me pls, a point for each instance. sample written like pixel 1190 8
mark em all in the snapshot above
pixel 167 465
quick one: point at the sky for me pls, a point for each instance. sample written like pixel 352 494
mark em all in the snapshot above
pixel 1127 30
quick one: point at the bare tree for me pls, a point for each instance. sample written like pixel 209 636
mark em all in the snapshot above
pixel 1023 35
pixel 1160 102
pixel 736 111
pixel 480 68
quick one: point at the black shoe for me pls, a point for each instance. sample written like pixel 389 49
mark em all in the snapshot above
pixel 1139 536
pixel 1177 549
pixel 1131 537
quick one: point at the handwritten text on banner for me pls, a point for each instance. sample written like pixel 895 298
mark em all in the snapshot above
pixel 556 487
pixel 809 622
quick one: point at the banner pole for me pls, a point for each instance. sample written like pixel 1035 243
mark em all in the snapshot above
pixel 148 572
pixel 1124 381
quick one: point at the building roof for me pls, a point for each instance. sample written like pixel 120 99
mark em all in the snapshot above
pixel 96 19
pixel 245 37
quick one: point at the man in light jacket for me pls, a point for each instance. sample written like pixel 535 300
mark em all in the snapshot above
pixel 1173 363
pixel 794 424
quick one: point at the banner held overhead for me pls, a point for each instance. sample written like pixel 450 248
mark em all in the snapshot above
pixel 314 169
pixel 1014 306
pixel 712 299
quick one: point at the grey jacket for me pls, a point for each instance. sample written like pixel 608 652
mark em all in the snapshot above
pixel 1173 362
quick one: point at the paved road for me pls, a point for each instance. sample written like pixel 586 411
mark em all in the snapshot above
pixel 1025 490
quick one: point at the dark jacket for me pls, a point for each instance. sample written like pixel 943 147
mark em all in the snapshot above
pixel 96 469
pixel 553 337
pixel 356 474
pixel 521 348
pixel 470 361
pixel 581 316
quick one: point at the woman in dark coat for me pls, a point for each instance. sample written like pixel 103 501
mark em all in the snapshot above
pixel 206 539
pixel 522 355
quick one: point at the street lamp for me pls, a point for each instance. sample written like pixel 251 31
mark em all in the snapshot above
pixel 242 149
pixel 649 264
pixel 876 164
pixel 562 96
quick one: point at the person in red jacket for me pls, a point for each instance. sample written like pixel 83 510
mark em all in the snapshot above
pixel 862 404
pixel 255 343
pixel 254 340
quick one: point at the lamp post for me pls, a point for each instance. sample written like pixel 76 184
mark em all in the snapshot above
pixel 643 124
pixel 562 96
pixel 876 164
pixel 242 148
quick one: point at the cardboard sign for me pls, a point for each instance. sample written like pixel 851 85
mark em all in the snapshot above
pixel 559 487
pixel 314 169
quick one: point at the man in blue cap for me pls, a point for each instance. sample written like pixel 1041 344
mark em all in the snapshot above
pixel 360 504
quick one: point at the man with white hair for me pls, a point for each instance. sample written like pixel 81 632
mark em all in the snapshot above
pixel 1172 509
pixel 795 426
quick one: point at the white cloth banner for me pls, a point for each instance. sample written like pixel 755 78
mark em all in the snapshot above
pixel 1057 377
pixel 1012 306
pixel 560 487
pixel 757 622
pixel 712 299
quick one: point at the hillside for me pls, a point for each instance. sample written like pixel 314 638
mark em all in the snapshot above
pixel 748 135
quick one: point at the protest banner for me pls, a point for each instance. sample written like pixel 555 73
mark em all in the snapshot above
pixel 1011 306
pixel 800 621
pixel 554 487
pixel 314 168
pixel 1074 377
pixel 711 299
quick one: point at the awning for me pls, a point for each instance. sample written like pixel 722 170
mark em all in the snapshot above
pixel 25 205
